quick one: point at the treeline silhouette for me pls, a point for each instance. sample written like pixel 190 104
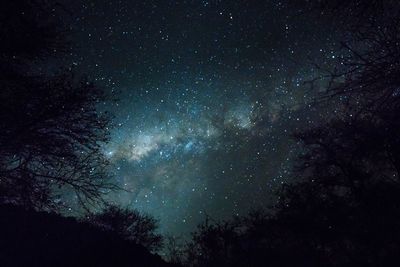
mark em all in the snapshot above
pixel 129 225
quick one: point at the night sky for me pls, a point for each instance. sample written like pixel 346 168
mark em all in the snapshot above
pixel 209 94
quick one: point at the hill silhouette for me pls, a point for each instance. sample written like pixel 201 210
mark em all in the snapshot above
pixel 31 238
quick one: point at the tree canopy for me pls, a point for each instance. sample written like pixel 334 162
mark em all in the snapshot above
pixel 343 207
pixel 51 130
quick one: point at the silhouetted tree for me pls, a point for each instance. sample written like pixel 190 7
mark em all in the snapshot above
pixel 347 197
pixel 257 239
pixel 130 225
pixel 361 145
pixel 173 250
pixel 51 131
pixel 366 75
pixel 211 244
pixel 343 208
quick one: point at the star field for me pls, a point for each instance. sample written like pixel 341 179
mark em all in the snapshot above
pixel 209 93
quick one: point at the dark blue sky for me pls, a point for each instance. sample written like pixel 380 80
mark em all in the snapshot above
pixel 209 95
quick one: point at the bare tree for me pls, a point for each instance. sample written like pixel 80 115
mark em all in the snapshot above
pixel 366 76
pixel 51 132
pixel 52 136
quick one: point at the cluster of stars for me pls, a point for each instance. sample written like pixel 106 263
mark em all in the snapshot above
pixel 208 95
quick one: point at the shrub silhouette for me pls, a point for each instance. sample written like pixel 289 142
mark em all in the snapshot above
pixel 130 225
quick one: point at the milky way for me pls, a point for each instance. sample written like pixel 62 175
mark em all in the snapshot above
pixel 209 93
